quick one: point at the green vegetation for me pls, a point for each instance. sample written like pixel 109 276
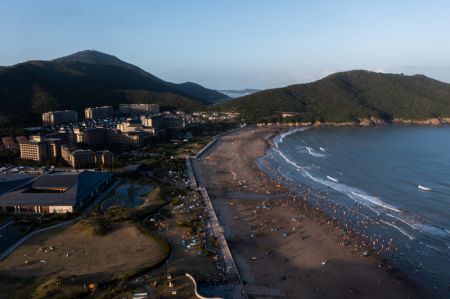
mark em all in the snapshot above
pixel 192 224
pixel 118 214
pixel 59 288
pixel 87 79
pixel 349 96
pixel 100 224
pixel 16 287
pixel 39 288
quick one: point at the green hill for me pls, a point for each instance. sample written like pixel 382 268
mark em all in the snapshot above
pixel 85 79
pixel 197 91
pixel 349 96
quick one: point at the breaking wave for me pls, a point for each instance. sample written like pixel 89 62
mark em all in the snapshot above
pixel 399 229
pixel 372 202
pixel 313 153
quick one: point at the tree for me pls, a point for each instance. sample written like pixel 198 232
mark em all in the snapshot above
pixel 42 101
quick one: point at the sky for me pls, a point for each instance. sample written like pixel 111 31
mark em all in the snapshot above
pixel 228 44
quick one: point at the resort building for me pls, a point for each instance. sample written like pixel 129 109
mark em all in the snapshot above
pixel 90 136
pixel 154 121
pixel 139 109
pixel 104 158
pixel 51 193
pixel 130 126
pixel 174 123
pixel 98 112
pixel 33 150
pixel 79 158
pixel 135 139
pixel 59 117
pixel 39 148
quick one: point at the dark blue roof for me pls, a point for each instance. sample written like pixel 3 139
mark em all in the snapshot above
pixel 11 181
pixel 77 186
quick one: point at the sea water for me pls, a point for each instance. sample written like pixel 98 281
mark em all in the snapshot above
pixel 391 184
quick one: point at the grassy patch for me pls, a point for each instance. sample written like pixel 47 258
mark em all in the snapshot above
pixel 118 214
pixel 16 287
pixel 59 288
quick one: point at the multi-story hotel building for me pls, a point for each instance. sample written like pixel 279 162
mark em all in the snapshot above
pixel 90 136
pixel 40 149
pixel 98 112
pixel 78 158
pixel 59 117
pixel 116 137
pixel 139 109
pixel 33 150
pixel 105 158
pixel 154 121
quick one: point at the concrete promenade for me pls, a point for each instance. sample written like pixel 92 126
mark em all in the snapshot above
pixel 214 228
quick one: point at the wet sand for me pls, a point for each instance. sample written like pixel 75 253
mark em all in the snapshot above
pixel 278 241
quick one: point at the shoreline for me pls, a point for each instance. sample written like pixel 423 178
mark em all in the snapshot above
pixel 383 262
pixel 311 224
pixel 364 123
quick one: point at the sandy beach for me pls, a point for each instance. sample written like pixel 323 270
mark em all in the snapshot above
pixel 281 246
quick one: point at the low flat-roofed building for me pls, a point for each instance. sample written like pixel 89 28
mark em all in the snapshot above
pixel 8 143
pixel 55 193
pixel 20 139
pixel 11 181
pixel 289 114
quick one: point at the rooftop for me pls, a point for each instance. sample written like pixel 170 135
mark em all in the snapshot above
pixel 57 189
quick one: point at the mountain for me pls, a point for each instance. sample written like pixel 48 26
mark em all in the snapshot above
pixel 85 79
pixel 193 90
pixel 196 90
pixel 349 97
pixel 95 57
pixel 238 93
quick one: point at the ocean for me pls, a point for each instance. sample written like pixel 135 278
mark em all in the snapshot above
pixel 390 184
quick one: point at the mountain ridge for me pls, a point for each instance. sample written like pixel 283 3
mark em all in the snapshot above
pixel 88 78
pixel 192 89
pixel 347 97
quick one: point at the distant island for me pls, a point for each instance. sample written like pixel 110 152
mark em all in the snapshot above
pixel 353 97
pixel 238 93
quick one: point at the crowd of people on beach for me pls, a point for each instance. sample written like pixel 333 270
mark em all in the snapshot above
pixel 356 227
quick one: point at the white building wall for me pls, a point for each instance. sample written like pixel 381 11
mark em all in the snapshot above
pixel 61 209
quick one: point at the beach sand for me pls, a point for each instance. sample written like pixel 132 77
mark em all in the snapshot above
pixel 279 243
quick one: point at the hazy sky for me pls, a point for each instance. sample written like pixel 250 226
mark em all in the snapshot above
pixel 236 44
